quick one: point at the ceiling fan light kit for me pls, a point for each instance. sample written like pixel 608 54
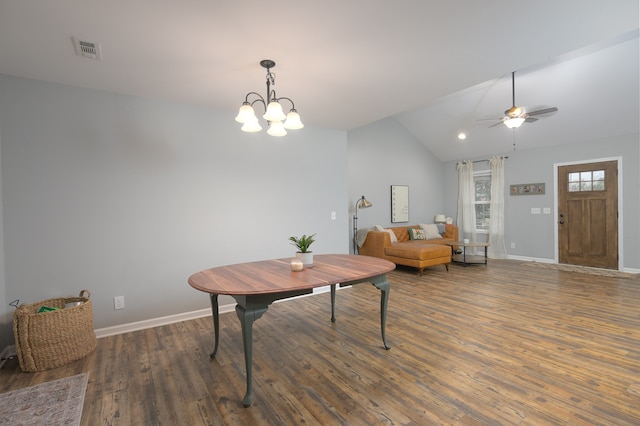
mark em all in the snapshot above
pixel 277 121
pixel 515 122
pixel 515 116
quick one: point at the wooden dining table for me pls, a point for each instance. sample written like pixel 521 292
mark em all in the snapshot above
pixel 255 285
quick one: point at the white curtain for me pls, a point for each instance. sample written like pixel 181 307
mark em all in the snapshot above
pixel 466 198
pixel 497 248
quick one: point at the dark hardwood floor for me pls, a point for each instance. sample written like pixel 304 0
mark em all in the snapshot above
pixel 506 344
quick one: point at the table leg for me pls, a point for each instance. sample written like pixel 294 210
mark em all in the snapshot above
pixel 383 285
pixel 216 323
pixel 333 303
pixel 247 317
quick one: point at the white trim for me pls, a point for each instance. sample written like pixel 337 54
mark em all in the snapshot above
pixel 186 316
pixel 156 322
pixel 620 206
pixel 530 259
pixel 542 260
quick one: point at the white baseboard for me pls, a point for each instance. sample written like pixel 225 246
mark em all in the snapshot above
pixel 170 319
pixel 156 322
pixel 541 260
pixel 531 259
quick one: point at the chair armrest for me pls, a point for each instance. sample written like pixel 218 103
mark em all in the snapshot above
pixel 375 243
pixel 451 231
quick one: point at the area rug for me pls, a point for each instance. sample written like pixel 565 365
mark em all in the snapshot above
pixel 58 402
pixel 582 269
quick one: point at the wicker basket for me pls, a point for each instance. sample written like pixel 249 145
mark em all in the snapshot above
pixel 53 339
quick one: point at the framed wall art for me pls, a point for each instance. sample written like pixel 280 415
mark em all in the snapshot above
pixel 527 189
pixel 399 203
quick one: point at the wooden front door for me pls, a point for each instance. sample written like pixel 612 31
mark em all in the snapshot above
pixel 588 214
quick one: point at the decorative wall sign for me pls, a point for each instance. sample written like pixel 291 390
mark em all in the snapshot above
pixel 399 203
pixel 527 189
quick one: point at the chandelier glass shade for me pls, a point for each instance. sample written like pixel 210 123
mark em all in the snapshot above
pixel 277 121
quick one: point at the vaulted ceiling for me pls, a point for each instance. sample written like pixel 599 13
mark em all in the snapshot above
pixel 435 66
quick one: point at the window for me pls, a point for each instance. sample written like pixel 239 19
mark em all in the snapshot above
pixel 586 181
pixel 482 183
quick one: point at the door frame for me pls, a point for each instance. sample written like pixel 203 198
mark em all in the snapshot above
pixel 556 251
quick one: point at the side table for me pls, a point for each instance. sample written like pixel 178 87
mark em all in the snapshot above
pixel 468 259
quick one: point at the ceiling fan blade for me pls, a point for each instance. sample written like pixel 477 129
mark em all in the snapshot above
pixel 497 124
pixel 530 120
pixel 542 111
pixel 489 119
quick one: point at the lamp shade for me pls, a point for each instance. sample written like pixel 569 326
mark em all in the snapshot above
pixel 440 218
pixel 363 203
pixel 274 112
pixel 293 121
pixel 251 127
pixel 246 114
pixel 276 128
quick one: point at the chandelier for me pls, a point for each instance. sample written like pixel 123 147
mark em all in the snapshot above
pixel 276 120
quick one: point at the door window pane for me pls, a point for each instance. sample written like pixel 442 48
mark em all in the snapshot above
pixel 592 180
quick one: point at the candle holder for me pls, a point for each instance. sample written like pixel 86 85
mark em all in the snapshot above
pixel 297 265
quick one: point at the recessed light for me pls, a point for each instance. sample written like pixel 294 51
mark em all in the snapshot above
pixel 462 136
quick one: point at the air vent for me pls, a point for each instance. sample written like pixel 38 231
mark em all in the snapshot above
pixel 86 49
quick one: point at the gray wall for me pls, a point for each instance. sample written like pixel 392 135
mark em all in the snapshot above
pixel 383 154
pixel 533 235
pixel 6 334
pixel 126 196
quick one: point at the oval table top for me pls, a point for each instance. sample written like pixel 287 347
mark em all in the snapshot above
pixel 275 276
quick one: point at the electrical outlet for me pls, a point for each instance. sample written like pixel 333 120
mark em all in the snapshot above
pixel 513 245
pixel 118 302
pixel 333 215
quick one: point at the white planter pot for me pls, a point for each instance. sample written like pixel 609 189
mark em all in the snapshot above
pixel 307 259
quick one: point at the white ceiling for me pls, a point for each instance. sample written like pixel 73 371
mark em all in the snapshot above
pixel 435 65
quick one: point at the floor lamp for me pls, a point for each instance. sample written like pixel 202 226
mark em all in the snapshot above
pixel 362 203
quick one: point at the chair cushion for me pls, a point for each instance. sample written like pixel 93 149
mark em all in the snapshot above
pixel 417 251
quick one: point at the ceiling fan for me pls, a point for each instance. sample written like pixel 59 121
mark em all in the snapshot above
pixel 515 116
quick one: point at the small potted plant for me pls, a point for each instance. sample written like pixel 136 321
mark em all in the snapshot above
pixel 302 244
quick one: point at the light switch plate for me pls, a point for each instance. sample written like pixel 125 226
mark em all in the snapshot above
pixel 535 210
pixel 118 302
